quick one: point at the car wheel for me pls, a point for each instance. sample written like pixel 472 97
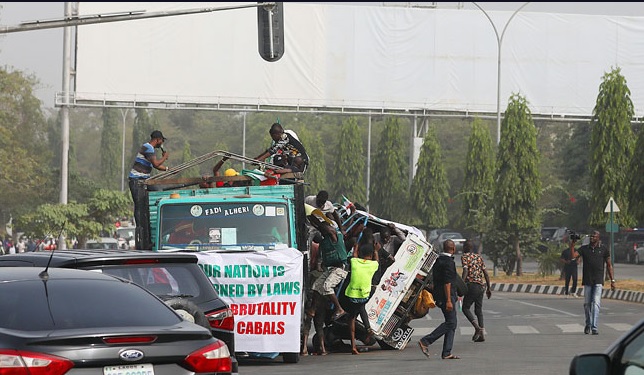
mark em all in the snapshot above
pixel 291 357
pixel 189 311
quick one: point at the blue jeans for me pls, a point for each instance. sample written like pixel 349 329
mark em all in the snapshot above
pixel 447 329
pixel 592 303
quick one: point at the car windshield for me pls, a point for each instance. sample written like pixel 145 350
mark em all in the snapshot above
pixel 125 232
pixel 37 305
pixel 224 226
pixel 451 236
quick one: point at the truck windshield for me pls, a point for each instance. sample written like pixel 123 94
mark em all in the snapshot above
pixel 234 225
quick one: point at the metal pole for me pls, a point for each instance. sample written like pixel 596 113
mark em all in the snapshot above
pixel 244 139
pixel 64 167
pixel 124 114
pixel 368 161
pixel 612 251
pixel 499 41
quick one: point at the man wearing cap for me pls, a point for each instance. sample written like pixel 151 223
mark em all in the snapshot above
pixel 143 163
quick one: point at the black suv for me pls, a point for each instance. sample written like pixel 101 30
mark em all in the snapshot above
pixel 627 244
pixel 174 277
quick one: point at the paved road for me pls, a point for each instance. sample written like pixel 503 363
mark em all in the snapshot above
pixel 623 271
pixel 527 334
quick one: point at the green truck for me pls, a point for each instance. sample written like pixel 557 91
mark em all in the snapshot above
pixel 251 242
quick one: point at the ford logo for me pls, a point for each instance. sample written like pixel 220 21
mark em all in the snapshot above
pixel 131 355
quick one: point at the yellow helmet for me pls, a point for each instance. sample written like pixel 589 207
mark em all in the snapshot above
pixel 230 172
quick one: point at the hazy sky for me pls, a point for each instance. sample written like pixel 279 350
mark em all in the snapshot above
pixel 40 52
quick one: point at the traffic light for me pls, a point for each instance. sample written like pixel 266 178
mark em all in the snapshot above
pixel 270 26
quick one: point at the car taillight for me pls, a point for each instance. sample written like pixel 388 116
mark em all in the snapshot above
pixel 212 358
pixel 222 319
pixel 16 362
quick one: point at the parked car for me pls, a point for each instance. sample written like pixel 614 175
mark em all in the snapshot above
pixel 638 255
pixel 63 321
pixel 458 239
pixel 627 244
pixel 554 234
pixel 624 357
pixel 434 233
pixel 174 277
pixel 102 243
pixel 125 237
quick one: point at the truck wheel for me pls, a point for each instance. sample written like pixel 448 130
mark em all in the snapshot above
pixel 187 309
pixel 291 357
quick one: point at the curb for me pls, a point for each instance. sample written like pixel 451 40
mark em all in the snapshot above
pixel 617 294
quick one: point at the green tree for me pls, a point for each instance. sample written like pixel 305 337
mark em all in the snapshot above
pixel 24 156
pixel 430 188
pixel 81 220
pixel 315 175
pixel 611 147
pixel 389 192
pixel 186 157
pixel 517 178
pixel 110 148
pixel 636 174
pixel 349 163
pixel 478 185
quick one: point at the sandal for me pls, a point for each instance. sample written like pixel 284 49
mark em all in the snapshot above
pixel 337 316
pixel 452 356
pixel 424 349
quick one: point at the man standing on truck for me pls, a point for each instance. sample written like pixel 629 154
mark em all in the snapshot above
pixel 286 144
pixel 143 163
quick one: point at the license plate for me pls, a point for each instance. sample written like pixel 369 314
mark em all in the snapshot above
pixel 139 369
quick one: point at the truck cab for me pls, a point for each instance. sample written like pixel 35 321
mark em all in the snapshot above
pixel 251 243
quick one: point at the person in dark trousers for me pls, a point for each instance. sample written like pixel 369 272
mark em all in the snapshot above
pixel 569 271
pixel 444 279
pixel 143 163
pixel 364 264
pixel 474 275
pixel 593 256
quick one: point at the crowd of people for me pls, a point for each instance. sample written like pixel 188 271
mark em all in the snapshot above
pixel 340 249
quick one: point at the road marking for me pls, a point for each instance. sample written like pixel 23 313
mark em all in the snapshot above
pixel 619 326
pixel 467 331
pixel 570 328
pixel 544 307
pixel 517 330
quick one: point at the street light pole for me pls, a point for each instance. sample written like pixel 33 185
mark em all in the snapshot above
pixel 499 41
pixel 124 114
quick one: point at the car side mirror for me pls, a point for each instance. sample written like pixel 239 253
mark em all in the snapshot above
pixel 590 364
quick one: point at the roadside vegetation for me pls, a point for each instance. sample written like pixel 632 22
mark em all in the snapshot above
pixel 539 174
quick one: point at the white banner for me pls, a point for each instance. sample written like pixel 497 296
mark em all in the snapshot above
pixel 264 291
pixel 396 280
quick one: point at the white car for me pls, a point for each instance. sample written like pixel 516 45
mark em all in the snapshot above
pixel 638 255
pixel 458 239
pixel 107 243
pixel 125 237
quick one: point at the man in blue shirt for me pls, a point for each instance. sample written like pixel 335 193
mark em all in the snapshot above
pixel 143 163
